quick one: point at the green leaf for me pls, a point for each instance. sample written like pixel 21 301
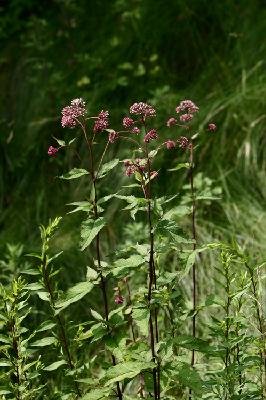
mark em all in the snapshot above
pixel 73 295
pixel 74 173
pixel 60 142
pixel 34 286
pixel 179 166
pixel 47 341
pixel 71 141
pixel 107 167
pixel 81 206
pixel 191 260
pixel 96 315
pixel 168 228
pixel 190 378
pixel 43 295
pixel 89 230
pixel 55 365
pixel 97 394
pixel 46 326
pixel 191 342
pixel 126 370
pixel 124 264
pixel 5 363
pixel 141 318
pixel 91 275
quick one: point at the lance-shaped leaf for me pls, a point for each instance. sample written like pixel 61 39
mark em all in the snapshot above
pixel 126 370
pixel 89 230
pixel 55 365
pixel 73 295
pixel 107 167
pixel 85 206
pixel 47 341
pixel 74 173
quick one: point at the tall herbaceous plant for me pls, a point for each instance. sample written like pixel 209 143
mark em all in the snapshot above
pixel 149 337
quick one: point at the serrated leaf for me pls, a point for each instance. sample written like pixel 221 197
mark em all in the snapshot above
pixel 141 318
pixel 107 167
pixel 170 228
pixel 47 341
pixel 73 295
pixel 126 370
pixel 191 342
pixel 97 394
pixel 74 173
pixel 89 230
pixel 123 264
pixel 55 365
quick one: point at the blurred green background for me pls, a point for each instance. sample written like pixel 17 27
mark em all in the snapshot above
pixel 113 53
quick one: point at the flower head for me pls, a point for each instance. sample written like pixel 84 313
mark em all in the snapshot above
pixel 130 170
pixel 171 121
pixel 183 142
pixel 143 109
pixel 170 144
pixel 187 105
pixel 119 299
pixel 113 136
pixel 140 164
pixel 151 135
pixel 101 122
pixel 52 151
pixel 135 130
pixel 72 112
pixel 186 117
pixel 127 122
pixel 212 127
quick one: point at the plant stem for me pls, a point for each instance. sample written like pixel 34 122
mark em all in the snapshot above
pixel 60 325
pixel 152 277
pixel 261 326
pixel 130 303
pixel 98 252
pixel 194 236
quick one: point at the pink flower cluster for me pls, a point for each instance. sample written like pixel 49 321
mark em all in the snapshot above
pixel 151 135
pixel 183 142
pixel 128 122
pixel 132 166
pixel 171 122
pixel 102 122
pixel 212 127
pixel 113 136
pixel 170 144
pixel 189 108
pixel 71 113
pixel 143 109
pixel 135 130
pixel 52 151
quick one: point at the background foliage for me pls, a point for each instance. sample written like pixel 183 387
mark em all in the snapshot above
pixel 113 53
